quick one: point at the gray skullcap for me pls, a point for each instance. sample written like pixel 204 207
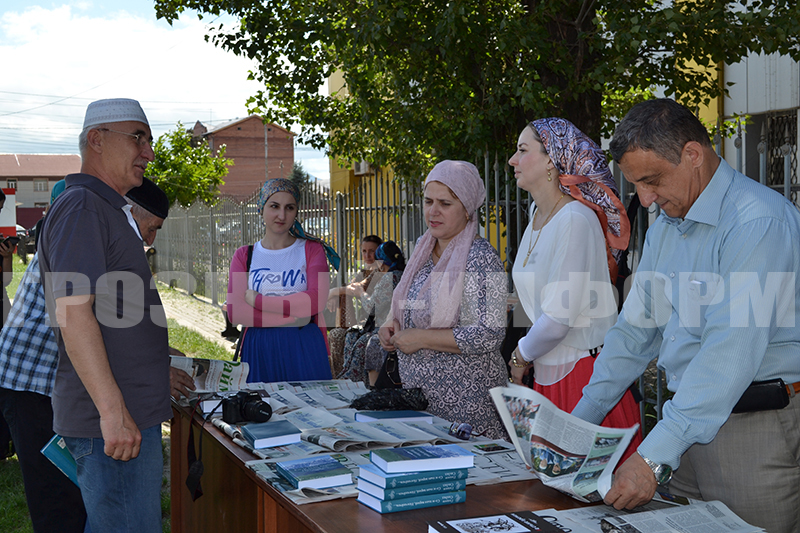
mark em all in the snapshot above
pixel 151 198
pixel 113 110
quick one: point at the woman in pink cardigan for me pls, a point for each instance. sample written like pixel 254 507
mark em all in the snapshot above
pixel 279 299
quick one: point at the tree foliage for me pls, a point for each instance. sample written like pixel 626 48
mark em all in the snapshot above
pixel 431 80
pixel 300 177
pixel 187 171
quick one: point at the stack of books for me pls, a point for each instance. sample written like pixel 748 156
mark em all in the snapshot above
pixel 400 479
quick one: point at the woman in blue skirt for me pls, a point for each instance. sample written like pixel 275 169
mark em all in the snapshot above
pixel 277 289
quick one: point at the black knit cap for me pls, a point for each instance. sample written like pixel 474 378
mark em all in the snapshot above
pixel 150 197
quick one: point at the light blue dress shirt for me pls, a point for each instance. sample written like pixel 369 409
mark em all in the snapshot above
pixel 716 298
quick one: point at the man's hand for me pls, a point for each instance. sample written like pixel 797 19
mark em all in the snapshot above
pixel 122 438
pixel 180 383
pixel 634 484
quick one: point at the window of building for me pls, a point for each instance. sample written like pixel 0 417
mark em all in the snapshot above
pixel 40 204
pixel 40 185
pixel 11 183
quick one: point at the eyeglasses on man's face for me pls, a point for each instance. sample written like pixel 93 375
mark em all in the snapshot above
pixel 141 139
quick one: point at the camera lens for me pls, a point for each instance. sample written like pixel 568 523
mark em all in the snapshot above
pixel 256 410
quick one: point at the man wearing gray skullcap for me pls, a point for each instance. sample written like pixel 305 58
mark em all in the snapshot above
pixel 112 386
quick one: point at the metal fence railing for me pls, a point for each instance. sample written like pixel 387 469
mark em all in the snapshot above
pixel 196 244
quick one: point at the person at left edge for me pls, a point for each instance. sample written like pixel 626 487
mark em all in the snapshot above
pixel 281 297
pixel 7 272
pixel 111 392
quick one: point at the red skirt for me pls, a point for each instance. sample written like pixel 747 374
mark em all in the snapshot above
pixel 567 392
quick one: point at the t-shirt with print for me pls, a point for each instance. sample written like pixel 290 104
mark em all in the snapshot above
pixel 278 272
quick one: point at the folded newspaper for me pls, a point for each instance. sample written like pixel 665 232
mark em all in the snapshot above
pixel 211 375
pixel 567 453
pixel 699 517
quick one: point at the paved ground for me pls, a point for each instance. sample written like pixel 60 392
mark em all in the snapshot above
pixel 196 313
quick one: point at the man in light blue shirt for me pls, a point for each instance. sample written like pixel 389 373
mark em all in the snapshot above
pixel 716 299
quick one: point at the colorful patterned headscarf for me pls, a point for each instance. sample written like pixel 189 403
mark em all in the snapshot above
pixel 584 175
pixel 272 186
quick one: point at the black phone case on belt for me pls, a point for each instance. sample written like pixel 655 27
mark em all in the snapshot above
pixel 763 396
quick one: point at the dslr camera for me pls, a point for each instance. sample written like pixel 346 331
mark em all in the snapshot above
pixel 245 407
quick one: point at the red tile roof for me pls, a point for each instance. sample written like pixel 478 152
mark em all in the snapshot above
pixel 54 166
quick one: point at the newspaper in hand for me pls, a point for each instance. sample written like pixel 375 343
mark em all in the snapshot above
pixel 211 375
pixel 567 453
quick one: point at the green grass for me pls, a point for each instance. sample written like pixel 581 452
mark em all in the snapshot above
pixel 19 269
pixel 193 344
pixel 13 508
pixel 14 517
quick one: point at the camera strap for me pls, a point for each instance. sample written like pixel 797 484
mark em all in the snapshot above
pixel 195 461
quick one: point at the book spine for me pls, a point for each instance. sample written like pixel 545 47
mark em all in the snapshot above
pixel 420 478
pixel 421 490
pixel 286 475
pixel 419 502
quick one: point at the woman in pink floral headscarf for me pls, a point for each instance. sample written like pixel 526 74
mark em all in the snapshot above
pixel 448 312
pixel 566 261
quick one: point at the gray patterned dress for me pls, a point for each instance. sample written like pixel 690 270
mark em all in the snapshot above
pixel 457 385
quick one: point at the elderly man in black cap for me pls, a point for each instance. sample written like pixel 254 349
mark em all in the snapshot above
pixel 149 207
pixel 112 387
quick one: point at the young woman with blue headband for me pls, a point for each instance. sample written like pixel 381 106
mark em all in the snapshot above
pixel 280 297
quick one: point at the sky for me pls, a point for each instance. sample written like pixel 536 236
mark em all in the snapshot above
pixel 57 57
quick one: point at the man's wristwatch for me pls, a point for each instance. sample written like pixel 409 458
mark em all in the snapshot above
pixel 663 473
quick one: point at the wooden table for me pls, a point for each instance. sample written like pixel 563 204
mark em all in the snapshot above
pixel 236 500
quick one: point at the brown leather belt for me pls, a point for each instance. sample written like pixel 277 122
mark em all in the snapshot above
pixel 793 388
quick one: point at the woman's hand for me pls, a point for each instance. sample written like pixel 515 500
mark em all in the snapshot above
pixel 357 290
pixel 250 297
pixel 333 302
pixel 386 335
pixel 410 340
pixel 517 372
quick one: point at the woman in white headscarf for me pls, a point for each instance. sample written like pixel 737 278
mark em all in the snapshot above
pixel 448 311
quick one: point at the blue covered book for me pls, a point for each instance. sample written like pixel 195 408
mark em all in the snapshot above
pixel 317 472
pixel 399 416
pixel 414 502
pixel 421 458
pixel 269 434
pixel 56 450
pixel 378 477
pixel 410 490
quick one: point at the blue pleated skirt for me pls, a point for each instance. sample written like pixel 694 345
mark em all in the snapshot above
pixel 285 354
